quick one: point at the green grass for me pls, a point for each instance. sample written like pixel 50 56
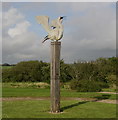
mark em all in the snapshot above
pixel 40 108
pixel 71 109
pixel 6 67
pixel 25 92
pixel 40 92
pixel 109 90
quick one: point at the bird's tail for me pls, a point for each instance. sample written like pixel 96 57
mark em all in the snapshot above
pixel 46 38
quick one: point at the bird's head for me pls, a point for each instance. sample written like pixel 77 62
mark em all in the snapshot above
pixel 61 18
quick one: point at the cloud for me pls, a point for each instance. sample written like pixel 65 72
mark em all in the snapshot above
pixel 89 31
pixel 19 43
pixel 0 33
pixel 19 29
pixel 11 16
pixel 96 28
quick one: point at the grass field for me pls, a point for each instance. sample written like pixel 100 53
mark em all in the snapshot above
pixel 37 92
pixel 41 108
pixel 70 109
pixel 40 92
pixel 5 67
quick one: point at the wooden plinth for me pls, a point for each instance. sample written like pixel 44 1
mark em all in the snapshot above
pixel 55 76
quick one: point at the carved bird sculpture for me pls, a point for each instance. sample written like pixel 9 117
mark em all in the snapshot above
pixel 54 30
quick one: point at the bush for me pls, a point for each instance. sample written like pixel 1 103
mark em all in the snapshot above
pixel 7 75
pixel 111 79
pixel 65 72
pixel 74 84
pixel 66 85
pixel 29 71
pixel 85 86
pixel 83 75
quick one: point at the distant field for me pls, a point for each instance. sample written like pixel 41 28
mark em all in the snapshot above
pixel 6 67
pixel 33 91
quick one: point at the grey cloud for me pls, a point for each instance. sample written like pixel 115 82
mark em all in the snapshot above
pixel 90 30
pixel 18 42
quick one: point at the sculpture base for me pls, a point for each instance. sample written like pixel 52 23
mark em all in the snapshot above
pixel 55 76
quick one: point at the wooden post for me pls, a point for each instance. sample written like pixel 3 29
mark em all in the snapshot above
pixel 55 75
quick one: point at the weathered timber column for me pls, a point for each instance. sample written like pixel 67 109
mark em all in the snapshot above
pixel 55 75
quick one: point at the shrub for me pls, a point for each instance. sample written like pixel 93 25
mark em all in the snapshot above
pixel 28 71
pixel 111 79
pixel 74 84
pixel 85 86
pixel 66 85
pixel 99 73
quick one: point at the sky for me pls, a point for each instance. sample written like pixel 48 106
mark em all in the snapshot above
pixel 89 30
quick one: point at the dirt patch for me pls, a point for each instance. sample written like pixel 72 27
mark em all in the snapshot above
pixel 108 92
pixel 23 98
pixel 43 98
pixel 56 112
pixel 108 101
pixel 63 98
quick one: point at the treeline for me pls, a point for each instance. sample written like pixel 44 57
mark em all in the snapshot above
pixel 6 64
pixel 95 75
pixel 81 76
pixel 29 71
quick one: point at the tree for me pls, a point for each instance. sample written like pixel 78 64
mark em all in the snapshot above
pixel 65 72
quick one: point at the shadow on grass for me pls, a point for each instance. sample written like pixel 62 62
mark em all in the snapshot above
pixel 103 97
pixel 72 105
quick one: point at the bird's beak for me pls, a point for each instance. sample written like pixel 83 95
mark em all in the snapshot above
pixel 62 17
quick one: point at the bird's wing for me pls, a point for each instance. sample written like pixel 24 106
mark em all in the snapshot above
pixel 44 21
pixel 54 23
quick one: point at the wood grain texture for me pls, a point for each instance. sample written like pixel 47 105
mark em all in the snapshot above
pixel 55 76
